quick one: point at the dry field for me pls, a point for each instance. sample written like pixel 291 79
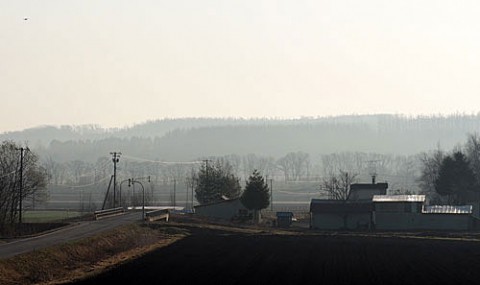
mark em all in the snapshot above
pixel 224 255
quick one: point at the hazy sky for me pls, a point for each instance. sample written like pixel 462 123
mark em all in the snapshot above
pixel 115 63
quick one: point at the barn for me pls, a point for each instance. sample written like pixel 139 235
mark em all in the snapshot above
pixel 226 209
pixel 352 214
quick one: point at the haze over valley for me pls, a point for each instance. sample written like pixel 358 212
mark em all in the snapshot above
pixel 298 154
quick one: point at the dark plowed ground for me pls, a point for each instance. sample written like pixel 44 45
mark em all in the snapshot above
pixel 219 257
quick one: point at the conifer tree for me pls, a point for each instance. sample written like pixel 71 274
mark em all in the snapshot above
pixel 256 195
pixel 455 179
pixel 215 182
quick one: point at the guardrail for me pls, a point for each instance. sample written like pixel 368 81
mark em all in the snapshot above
pixel 156 215
pixel 107 212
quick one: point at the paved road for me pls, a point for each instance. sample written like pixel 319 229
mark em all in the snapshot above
pixel 66 234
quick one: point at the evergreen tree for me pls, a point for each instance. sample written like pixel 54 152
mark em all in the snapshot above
pixel 456 179
pixel 215 182
pixel 256 195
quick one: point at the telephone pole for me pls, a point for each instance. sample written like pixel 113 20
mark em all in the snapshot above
pixel 271 194
pixel 206 173
pixel 174 193
pixel 115 159
pixel 22 151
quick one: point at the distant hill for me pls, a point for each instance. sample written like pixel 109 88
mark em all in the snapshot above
pixel 191 138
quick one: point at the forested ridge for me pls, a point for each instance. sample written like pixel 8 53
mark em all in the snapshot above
pixel 191 138
pixel 309 151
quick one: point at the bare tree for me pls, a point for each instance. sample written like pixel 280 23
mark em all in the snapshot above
pixel 337 185
pixel 294 165
pixel 431 163
pixel 472 149
pixel 33 180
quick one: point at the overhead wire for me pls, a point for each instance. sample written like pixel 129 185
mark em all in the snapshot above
pixel 162 162
pixel 84 185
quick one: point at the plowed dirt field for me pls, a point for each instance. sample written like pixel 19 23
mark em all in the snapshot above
pixel 219 256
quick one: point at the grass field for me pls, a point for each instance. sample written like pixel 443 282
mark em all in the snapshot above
pixel 49 216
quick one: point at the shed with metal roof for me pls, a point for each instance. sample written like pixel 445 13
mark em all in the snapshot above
pixel 408 212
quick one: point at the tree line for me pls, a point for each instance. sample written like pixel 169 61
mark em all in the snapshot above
pixel 187 139
pixel 216 182
pixel 452 177
pixel 446 177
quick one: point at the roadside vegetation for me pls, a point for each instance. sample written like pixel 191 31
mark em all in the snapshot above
pixel 50 216
pixel 73 260
pixel 35 222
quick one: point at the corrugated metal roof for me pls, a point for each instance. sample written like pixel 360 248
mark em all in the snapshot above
pixel 447 209
pixel 399 198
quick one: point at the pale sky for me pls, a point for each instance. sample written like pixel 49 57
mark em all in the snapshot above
pixel 115 63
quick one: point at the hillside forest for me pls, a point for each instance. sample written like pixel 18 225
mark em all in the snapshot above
pixel 297 156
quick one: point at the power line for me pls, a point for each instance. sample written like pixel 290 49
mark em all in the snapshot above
pixel 84 185
pixel 162 162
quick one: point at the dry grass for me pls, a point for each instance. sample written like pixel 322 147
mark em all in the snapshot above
pixel 71 261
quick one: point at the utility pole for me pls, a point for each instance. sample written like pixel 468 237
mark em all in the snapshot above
pixel 22 150
pixel 174 192
pixel 193 186
pixel 207 184
pixel 115 159
pixel 206 166
pixel 271 194
pixel 186 196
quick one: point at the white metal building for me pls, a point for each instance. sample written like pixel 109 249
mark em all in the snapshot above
pixel 408 212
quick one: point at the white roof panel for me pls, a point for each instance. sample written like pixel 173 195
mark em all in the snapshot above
pixel 399 198
pixel 447 209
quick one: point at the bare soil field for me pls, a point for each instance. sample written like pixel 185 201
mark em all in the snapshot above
pixel 219 255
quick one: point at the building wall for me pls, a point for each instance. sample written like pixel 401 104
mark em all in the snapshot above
pixel 334 221
pixel 225 211
pixel 364 194
pixel 419 221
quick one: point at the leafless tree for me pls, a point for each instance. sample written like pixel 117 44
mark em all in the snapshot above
pixel 472 149
pixel 431 163
pixel 337 185
pixel 294 165
pixel 33 180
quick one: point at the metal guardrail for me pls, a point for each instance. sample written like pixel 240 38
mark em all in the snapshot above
pixel 107 212
pixel 156 215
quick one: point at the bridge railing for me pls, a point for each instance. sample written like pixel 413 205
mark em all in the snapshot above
pixel 108 212
pixel 156 215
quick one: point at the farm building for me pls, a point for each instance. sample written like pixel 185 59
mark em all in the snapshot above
pixel 365 191
pixel 409 212
pixel 390 212
pixel 340 214
pixel 226 209
pixel 351 214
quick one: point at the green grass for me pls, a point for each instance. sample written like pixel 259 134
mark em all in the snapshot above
pixel 48 216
